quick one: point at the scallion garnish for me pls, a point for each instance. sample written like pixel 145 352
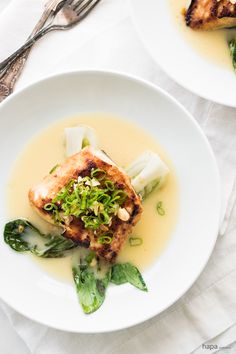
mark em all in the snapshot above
pixel 109 185
pixel 105 240
pixel 49 206
pixel 120 196
pixel 98 173
pixel 135 241
pixel 54 169
pixel 93 199
pixel 160 209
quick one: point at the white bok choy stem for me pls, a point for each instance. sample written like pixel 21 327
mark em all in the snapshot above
pixel 147 172
pixel 78 137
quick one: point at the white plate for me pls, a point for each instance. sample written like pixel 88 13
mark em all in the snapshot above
pixel 35 294
pixel 172 52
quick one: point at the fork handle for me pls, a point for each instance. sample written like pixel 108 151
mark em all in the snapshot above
pixel 5 64
pixel 11 74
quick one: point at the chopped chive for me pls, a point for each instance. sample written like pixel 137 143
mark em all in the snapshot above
pixel 54 169
pixel 135 241
pixel 160 209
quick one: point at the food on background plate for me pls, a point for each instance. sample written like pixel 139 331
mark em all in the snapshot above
pixel 95 205
pixel 204 16
pixel 211 14
pixel 232 49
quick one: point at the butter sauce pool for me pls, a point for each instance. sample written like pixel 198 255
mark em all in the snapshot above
pixel 123 142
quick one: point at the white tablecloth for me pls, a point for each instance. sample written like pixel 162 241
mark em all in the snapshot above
pixel 207 313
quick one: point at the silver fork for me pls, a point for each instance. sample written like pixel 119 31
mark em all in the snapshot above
pixel 11 72
pixel 70 14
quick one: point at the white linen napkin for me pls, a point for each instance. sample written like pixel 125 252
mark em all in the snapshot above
pixel 207 312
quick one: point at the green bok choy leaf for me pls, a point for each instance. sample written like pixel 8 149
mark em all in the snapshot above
pixel 22 236
pixel 232 49
pixel 91 283
pixel 127 273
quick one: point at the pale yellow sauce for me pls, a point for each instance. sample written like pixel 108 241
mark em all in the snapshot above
pixel 213 45
pixel 123 142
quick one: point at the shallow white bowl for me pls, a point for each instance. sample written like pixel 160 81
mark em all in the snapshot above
pixel 154 22
pixel 35 294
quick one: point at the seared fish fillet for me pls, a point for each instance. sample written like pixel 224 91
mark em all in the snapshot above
pixel 211 14
pixel 81 165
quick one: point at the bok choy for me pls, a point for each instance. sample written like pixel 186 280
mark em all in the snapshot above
pixel 22 236
pixel 232 49
pixel 91 280
pixel 127 273
pixel 147 172
pixel 91 274
pixel 79 137
pixel 92 277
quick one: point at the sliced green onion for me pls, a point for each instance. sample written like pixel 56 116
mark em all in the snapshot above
pixel 49 206
pixel 56 216
pixel 104 218
pixel 83 200
pixel 135 241
pixel 90 222
pixel 160 209
pixel 98 173
pixel 109 185
pixel 94 203
pixel 54 169
pixel 120 196
pixel 105 240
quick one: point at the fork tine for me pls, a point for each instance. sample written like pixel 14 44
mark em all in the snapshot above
pixel 86 8
pixel 69 2
pixel 78 4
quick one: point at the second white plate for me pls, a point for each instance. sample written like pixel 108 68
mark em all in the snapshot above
pixel 177 57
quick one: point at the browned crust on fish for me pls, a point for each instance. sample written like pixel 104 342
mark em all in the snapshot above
pixel 211 14
pixel 81 164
